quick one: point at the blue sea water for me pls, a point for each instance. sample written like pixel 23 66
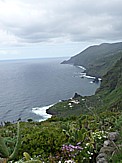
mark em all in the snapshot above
pixel 28 87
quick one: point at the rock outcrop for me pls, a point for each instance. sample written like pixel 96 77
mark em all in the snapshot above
pixel 108 148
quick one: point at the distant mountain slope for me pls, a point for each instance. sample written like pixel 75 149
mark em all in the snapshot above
pixel 97 59
pixel 103 65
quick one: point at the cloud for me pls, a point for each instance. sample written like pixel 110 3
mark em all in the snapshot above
pixel 10 51
pixel 27 22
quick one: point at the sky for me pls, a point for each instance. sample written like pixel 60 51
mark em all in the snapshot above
pixel 56 28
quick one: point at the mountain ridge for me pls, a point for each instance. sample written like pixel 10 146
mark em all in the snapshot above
pixel 97 57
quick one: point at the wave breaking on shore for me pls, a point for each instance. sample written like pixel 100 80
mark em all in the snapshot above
pixel 84 75
pixel 42 112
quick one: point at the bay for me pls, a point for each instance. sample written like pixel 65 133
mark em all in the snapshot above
pixel 28 85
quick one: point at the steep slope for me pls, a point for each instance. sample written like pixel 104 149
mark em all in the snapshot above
pixel 107 97
pixel 96 58
pixel 110 90
pixel 103 65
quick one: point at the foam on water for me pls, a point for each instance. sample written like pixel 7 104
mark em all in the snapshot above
pixel 42 112
pixel 82 67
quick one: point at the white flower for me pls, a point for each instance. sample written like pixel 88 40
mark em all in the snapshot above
pixel 69 161
pixel 87 144
pixel 88 152
pixel 102 132
pixel 105 136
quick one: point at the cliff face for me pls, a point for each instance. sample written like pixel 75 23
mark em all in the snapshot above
pixel 97 59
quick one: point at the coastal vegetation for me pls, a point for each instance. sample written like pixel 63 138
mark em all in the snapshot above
pixel 78 138
pixel 79 128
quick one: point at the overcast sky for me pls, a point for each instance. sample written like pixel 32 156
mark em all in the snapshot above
pixel 55 28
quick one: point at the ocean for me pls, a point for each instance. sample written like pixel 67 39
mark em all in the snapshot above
pixel 28 87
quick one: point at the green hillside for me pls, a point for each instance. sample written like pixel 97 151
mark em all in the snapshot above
pixel 76 131
pixel 108 96
pixel 97 59
pixel 110 90
pixel 103 65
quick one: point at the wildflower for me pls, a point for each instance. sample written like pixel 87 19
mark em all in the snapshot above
pixel 78 143
pixel 102 132
pixel 88 152
pixel 69 161
pixel 87 144
pixel 69 104
pixel 105 136
pixel 71 147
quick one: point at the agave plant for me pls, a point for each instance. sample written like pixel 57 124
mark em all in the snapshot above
pixel 4 152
